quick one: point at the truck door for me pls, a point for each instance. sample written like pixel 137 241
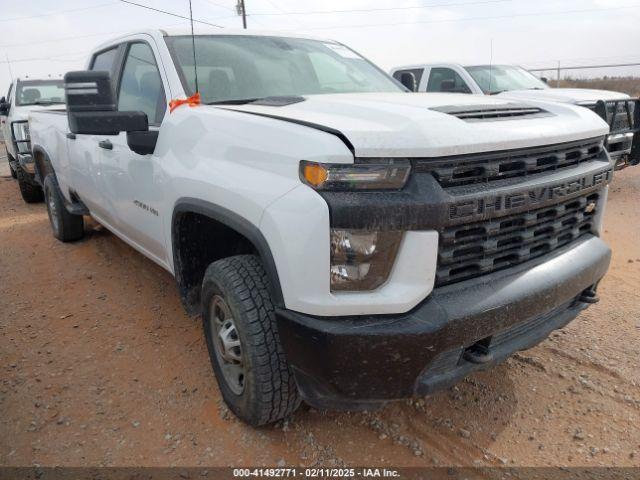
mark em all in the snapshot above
pixel 133 182
pixel 84 154
pixel 6 126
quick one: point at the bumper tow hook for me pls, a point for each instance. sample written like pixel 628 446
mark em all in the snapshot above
pixel 589 296
pixel 478 354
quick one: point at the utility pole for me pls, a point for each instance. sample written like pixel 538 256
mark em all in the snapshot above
pixel 6 55
pixel 241 11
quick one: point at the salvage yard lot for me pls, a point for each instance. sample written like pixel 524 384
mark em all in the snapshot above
pixel 101 366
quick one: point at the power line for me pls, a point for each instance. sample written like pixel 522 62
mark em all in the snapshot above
pixel 498 17
pixel 584 67
pixel 59 12
pixel 170 13
pixel 386 9
pixel 78 55
pixel 60 39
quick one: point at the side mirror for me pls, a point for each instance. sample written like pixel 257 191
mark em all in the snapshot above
pixel 4 106
pixel 448 86
pixel 408 79
pixel 91 107
pixel 544 80
pixel 142 143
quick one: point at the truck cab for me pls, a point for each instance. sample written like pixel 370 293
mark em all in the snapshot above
pixel 24 96
pixel 619 110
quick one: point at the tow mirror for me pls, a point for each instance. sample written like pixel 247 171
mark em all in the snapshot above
pixel 4 106
pixel 408 79
pixel 91 106
pixel 91 109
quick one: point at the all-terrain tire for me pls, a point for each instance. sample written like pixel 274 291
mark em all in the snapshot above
pixel 14 174
pixel 269 392
pixel 30 191
pixel 66 226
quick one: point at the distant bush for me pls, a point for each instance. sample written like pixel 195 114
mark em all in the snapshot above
pixel 629 85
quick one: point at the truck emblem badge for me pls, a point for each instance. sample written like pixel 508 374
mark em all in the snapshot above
pixel 591 206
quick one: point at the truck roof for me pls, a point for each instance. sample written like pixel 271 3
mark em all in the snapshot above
pixel 159 33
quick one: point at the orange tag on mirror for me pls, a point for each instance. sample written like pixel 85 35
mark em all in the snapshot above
pixel 192 101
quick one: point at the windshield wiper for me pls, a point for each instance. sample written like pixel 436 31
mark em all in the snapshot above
pixel 272 101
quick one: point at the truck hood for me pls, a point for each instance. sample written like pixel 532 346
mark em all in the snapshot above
pixel 405 124
pixel 565 95
pixel 22 112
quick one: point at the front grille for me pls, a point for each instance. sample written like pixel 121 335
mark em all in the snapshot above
pixel 479 248
pixel 484 168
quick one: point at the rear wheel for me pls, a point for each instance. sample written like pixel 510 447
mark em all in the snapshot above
pixel 66 226
pixel 244 346
pixel 31 192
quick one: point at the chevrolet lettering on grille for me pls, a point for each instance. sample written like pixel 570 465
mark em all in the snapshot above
pixel 482 207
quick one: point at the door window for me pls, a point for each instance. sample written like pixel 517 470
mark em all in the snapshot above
pixel 446 80
pixel 140 84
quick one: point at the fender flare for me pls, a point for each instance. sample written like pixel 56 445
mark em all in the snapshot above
pixel 46 168
pixel 235 222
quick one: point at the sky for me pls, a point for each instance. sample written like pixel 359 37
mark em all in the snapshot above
pixel 41 38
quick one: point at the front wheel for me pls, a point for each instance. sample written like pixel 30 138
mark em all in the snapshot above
pixel 31 192
pixel 14 174
pixel 244 346
pixel 66 226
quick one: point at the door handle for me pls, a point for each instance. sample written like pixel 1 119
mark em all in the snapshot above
pixel 106 144
pixel 71 136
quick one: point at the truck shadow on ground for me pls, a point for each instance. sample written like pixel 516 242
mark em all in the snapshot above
pixel 455 425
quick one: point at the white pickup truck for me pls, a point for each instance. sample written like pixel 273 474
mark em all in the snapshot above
pixel 346 242
pixel 620 111
pixel 25 95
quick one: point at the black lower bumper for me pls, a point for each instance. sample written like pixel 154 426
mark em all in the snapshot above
pixel 357 362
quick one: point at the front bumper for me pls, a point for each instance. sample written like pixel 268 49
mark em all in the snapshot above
pixel 25 160
pixel 357 362
pixel 623 117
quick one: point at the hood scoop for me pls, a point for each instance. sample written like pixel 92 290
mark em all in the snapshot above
pixel 486 113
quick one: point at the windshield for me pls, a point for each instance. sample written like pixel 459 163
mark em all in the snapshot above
pixel 243 68
pixel 501 78
pixel 39 92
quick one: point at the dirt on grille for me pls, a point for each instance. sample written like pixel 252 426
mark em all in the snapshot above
pixel 101 366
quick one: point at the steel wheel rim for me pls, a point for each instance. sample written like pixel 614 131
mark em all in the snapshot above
pixel 52 210
pixel 226 343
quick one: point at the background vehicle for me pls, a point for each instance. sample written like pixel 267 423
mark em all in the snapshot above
pixel 347 243
pixel 617 109
pixel 23 97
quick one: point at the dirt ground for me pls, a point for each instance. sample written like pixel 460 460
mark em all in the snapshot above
pixel 100 366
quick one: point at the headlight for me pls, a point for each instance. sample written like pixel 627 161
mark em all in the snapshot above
pixel 362 259
pixel 21 136
pixel 374 174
